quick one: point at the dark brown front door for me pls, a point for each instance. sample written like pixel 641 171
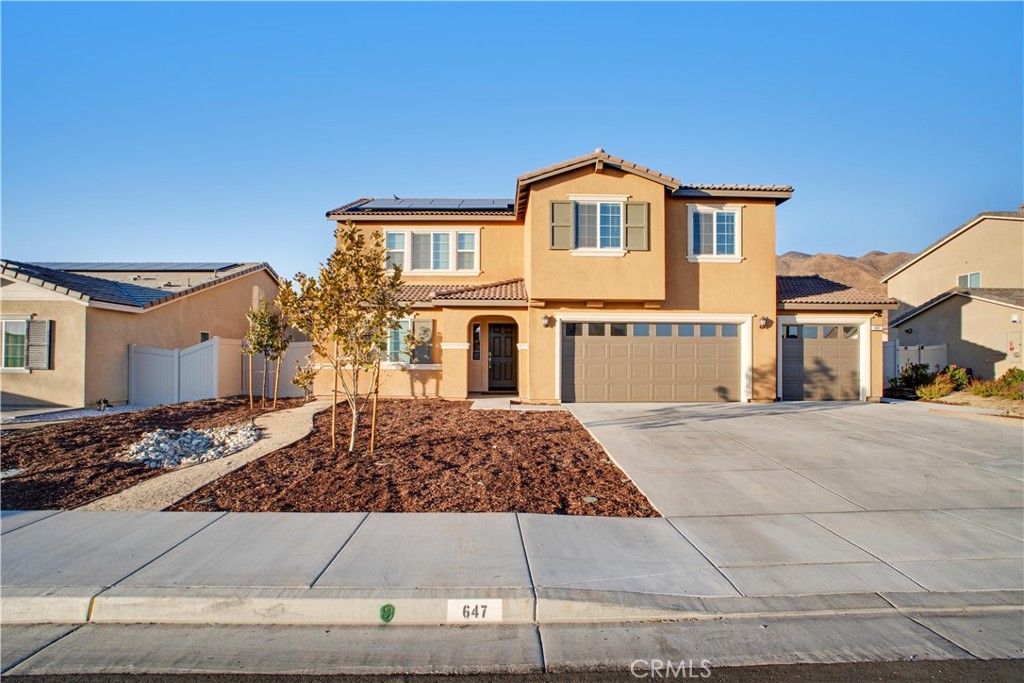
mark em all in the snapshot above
pixel 501 358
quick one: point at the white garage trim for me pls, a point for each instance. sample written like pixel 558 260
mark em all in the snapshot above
pixel 864 322
pixel 744 320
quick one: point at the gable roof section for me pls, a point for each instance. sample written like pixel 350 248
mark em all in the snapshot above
pixel 89 288
pixel 599 158
pixel 960 229
pixel 506 291
pixel 426 208
pixel 814 290
pixel 1014 298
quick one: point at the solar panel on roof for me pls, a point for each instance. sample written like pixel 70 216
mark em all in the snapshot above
pixel 444 203
pixel 137 266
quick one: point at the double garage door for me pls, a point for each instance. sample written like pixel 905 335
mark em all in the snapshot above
pixel 660 362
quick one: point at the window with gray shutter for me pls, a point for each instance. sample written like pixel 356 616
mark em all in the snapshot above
pixel 423 331
pixel 637 228
pixel 38 356
pixel 562 228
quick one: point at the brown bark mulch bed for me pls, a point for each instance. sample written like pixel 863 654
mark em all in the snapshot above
pixel 71 463
pixel 434 456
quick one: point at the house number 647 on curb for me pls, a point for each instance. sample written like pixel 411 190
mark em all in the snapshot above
pixel 474 610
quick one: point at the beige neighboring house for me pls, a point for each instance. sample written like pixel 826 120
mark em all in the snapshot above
pixel 600 279
pixel 966 291
pixel 67 326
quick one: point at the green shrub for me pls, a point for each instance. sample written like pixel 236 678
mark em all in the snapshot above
pixel 942 385
pixel 913 375
pixel 1010 385
pixel 961 376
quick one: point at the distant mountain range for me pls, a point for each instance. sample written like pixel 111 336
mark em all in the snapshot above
pixel 862 273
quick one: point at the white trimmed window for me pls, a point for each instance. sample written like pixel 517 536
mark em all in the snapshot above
pixel 599 225
pixel 420 252
pixel 969 280
pixel 398 342
pixel 25 344
pixel 15 344
pixel 715 233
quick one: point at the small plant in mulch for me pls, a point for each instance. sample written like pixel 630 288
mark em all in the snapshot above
pixel 910 377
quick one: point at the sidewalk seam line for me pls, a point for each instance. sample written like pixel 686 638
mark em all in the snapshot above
pixel 219 517
pixel 970 521
pixel 529 571
pixel 36 521
pixel 855 545
pixel 366 515
pixel 7 672
pixel 926 627
pixel 706 558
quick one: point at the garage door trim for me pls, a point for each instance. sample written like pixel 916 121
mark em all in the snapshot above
pixel 864 322
pixel 743 320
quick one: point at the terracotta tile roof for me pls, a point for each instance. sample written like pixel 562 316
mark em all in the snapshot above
pixel 737 188
pixel 598 155
pixel 814 289
pixel 506 290
pixel 114 290
pixel 1003 295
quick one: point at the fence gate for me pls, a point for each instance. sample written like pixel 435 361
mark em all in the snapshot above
pixel 293 357
pixel 897 357
pixel 210 369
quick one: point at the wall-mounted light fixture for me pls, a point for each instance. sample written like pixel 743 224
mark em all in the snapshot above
pixel 909 330
pixel 764 322
pixel 547 321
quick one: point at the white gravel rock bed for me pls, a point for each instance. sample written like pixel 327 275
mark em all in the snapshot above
pixel 167 448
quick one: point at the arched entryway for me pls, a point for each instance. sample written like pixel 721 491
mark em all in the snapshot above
pixel 493 355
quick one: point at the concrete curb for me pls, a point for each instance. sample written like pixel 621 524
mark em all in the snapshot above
pixel 366 607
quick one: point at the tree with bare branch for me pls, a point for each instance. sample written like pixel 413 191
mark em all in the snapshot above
pixel 349 312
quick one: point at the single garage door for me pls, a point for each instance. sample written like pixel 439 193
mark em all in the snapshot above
pixel 669 362
pixel 820 362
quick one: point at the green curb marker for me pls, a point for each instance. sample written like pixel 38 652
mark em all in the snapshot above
pixel 387 613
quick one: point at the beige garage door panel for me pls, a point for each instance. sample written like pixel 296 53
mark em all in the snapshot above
pixel 632 367
pixel 821 362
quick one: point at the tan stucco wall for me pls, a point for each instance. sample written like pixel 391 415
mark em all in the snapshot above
pixel 219 310
pixel 994 247
pixel 977 334
pixel 558 274
pixel 500 249
pixel 64 385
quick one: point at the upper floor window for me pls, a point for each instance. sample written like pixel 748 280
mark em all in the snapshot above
pixel 714 233
pixel 972 280
pixel 420 252
pixel 598 225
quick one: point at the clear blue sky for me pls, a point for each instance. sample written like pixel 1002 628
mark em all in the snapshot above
pixel 226 131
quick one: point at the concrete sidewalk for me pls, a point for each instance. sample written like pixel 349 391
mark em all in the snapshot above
pixel 357 593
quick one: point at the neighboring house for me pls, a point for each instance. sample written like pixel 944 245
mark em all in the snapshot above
pixel 67 326
pixel 966 291
pixel 602 280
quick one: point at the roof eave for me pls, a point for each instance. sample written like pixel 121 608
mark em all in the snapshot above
pixel 783 306
pixel 379 217
pixel 479 303
pixel 776 195
pixel 948 238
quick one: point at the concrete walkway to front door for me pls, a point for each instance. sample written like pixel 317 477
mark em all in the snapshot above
pixel 797 498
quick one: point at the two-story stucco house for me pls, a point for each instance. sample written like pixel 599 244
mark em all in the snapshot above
pixel 603 280
pixel 966 291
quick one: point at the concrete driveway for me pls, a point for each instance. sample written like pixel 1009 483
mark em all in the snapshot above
pixel 800 498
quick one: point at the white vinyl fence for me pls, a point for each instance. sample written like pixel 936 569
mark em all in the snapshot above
pixel 897 357
pixel 295 355
pixel 211 369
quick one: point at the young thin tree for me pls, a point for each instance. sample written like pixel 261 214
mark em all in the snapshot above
pixel 266 336
pixel 348 311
